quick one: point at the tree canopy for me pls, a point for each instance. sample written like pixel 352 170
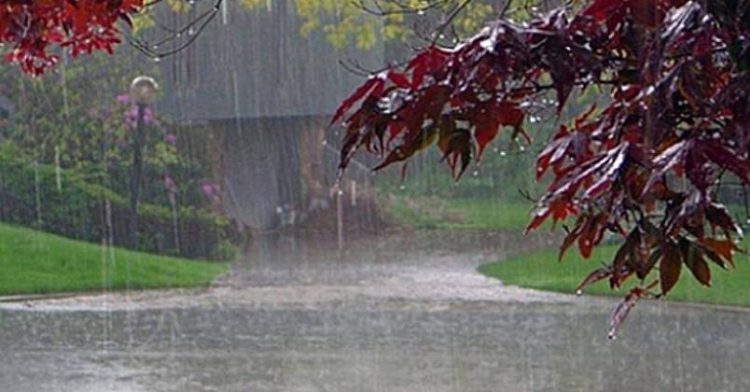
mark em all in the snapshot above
pixel 29 27
pixel 362 23
pixel 33 31
pixel 644 163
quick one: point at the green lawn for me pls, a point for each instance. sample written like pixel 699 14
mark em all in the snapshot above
pixel 478 214
pixel 542 271
pixel 37 262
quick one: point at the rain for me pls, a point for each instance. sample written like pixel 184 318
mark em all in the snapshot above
pixel 238 261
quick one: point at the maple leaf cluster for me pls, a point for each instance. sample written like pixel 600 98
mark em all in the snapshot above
pixel 28 28
pixel 644 166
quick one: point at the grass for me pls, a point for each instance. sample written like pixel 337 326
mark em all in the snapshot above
pixel 477 214
pixel 33 262
pixel 542 271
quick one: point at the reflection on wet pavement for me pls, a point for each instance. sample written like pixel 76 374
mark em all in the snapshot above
pixel 393 314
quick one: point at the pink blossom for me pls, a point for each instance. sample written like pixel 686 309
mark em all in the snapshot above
pixel 170 184
pixel 124 99
pixel 208 190
pixel 211 191
pixel 131 117
pixel 149 118
pixel 170 138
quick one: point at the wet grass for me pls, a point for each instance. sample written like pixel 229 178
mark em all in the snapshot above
pixel 33 262
pixel 542 271
pixel 458 214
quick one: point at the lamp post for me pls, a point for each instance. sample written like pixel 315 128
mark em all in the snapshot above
pixel 143 92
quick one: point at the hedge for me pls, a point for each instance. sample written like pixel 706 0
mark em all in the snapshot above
pixel 29 196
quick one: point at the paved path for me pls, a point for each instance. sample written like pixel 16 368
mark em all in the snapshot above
pixel 394 313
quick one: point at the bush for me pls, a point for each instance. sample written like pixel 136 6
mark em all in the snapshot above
pixel 79 209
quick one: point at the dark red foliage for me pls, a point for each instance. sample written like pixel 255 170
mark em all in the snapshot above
pixel 28 28
pixel 644 167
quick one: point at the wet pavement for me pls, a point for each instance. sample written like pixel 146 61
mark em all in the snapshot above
pixel 392 313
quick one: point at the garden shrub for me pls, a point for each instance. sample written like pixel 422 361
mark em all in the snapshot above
pixel 29 196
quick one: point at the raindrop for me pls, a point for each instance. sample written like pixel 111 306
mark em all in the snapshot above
pixel 579 292
pixel 325 142
pixel 37 192
pixel 175 221
pixel 475 173
pixel 503 153
pixel 495 149
pixel 58 169
pixel 402 187
pixel 191 31
pixel 420 12
pixel 157 59
pixel 522 148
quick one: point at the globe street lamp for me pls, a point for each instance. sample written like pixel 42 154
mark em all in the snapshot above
pixel 143 91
